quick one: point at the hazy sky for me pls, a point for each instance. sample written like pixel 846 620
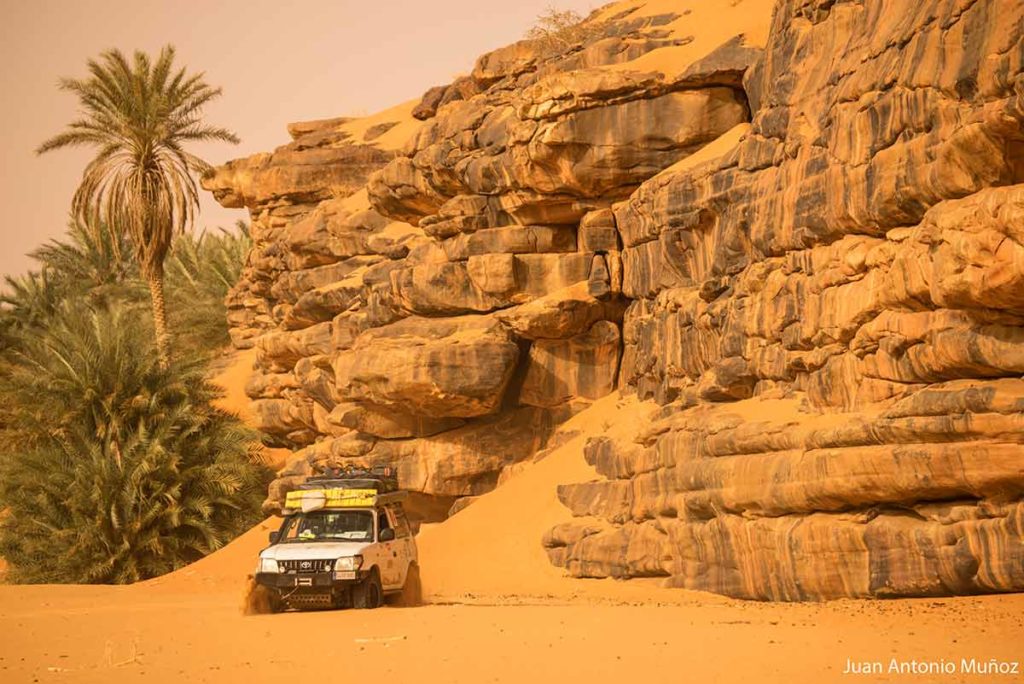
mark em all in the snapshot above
pixel 277 62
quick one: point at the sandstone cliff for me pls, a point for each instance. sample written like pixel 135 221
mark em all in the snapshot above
pixel 796 226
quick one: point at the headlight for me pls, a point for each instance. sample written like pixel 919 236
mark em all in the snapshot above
pixel 348 563
pixel 267 565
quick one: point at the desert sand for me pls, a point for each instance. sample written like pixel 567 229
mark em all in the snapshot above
pixel 497 612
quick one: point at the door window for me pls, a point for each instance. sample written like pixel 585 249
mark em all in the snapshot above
pixel 382 522
pixel 401 522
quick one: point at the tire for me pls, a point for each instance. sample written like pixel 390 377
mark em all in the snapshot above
pixel 261 600
pixel 368 593
pixel 412 590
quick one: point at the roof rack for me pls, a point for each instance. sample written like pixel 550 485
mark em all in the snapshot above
pixel 381 479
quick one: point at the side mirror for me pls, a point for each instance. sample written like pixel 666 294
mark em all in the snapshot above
pixel 386 535
pixel 274 536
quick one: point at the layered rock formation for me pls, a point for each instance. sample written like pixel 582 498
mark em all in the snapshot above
pixel 421 291
pixel 830 307
pixel 796 226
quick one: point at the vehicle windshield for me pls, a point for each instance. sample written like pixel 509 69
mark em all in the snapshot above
pixel 328 526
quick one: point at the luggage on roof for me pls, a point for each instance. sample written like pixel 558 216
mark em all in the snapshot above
pixel 345 487
pixel 306 500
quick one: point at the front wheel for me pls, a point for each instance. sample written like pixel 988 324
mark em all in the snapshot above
pixel 368 593
pixel 261 600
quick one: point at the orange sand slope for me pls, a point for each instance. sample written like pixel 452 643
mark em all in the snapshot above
pixel 231 376
pixel 491 549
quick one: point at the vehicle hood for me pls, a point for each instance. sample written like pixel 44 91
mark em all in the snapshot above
pixel 313 550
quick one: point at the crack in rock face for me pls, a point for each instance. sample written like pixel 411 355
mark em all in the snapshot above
pixel 811 257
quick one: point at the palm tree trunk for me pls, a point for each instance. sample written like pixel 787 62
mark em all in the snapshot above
pixel 163 338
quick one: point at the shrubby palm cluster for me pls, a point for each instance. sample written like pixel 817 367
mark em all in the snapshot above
pixel 115 465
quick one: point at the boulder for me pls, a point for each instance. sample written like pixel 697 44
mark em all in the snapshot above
pixel 564 313
pixel 294 173
pixel 280 351
pixel 466 461
pixel 263 385
pixel 281 417
pixel 322 304
pixel 386 423
pixel 336 230
pixel 291 286
pixel 429 103
pixel 485 282
pixel 438 368
pixel 316 378
pixel 597 232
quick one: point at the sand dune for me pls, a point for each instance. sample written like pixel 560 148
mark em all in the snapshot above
pixel 491 551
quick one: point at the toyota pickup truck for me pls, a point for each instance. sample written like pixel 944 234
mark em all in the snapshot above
pixel 345 542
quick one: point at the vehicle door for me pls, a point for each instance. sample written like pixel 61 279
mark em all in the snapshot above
pixel 390 570
pixel 405 541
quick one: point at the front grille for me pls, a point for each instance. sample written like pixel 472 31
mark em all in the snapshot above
pixel 306 566
pixel 319 600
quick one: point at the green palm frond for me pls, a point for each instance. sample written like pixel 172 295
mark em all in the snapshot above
pixel 201 270
pixel 138 116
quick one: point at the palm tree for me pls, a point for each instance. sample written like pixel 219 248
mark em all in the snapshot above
pixel 139 116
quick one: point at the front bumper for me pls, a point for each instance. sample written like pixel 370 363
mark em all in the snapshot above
pixel 314 580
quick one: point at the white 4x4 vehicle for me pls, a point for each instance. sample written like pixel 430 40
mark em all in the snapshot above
pixel 340 547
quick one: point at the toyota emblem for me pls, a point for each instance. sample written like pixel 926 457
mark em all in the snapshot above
pixel 306 565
